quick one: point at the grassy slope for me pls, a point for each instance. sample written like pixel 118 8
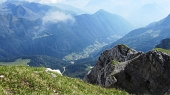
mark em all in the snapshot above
pixel 19 61
pixel 23 80
pixel 163 50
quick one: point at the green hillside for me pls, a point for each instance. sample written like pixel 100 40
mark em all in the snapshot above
pixel 163 50
pixel 17 62
pixel 24 80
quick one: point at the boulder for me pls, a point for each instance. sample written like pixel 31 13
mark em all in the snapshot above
pixel 132 71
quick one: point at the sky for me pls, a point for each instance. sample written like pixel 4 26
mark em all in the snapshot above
pixel 115 3
pixel 138 12
pixel 82 3
pixel 77 3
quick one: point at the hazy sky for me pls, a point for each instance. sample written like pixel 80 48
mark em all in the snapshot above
pixel 82 3
pixel 78 3
pixel 137 11
pixel 128 4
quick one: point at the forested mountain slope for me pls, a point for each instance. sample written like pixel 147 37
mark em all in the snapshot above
pixel 52 31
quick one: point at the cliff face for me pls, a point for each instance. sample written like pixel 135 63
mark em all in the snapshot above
pixel 135 72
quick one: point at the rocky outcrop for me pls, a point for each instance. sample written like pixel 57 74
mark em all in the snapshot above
pixel 165 44
pixel 119 53
pixel 135 72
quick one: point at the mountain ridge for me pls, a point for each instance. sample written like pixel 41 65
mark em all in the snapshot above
pixel 58 37
pixel 145 38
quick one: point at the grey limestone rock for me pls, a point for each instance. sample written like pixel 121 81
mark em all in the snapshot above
pixel 136 72
pixel 104 67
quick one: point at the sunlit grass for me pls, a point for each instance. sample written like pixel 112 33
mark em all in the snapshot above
pixel 23 80
pixel 19 61
pixel 163 50
pixel 115 62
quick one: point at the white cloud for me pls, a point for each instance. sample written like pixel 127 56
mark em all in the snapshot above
pixel 57 16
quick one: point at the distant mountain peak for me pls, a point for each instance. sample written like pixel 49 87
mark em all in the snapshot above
pixel 102 11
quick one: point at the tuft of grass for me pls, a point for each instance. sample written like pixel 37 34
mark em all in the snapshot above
pixel 163 50
pixel 24 80
pixel 124 46
pixel 115 62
